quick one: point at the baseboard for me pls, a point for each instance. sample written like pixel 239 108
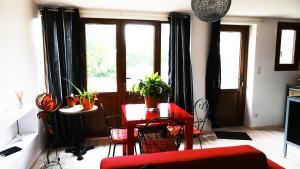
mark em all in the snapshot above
pixel 35 161
pixel 265 127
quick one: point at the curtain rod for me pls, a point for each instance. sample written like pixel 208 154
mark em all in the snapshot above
pixel 56 9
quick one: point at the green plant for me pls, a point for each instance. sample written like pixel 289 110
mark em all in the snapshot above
pixel 83 94
pixel 152 86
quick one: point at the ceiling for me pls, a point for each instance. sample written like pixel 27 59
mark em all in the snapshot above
pixel 249 8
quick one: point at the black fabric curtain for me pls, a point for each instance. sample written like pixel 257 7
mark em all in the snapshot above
pixel 63 59
pixel 180 68
pixel 213 73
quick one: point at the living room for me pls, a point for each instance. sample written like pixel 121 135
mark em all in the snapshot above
pixel 261 95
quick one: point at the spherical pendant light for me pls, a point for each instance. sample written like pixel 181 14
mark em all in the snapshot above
pixel 210 10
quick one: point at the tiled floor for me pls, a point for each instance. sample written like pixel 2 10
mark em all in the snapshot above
pixel 270 141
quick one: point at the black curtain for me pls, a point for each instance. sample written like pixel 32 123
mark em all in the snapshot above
pixel 213 73
pixel 180 68
pixel 63 59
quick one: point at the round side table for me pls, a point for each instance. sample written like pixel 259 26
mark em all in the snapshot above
pixel 76 113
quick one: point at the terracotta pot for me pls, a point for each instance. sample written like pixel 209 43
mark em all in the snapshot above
pixel 87 104
pixel 70 101
pixel 151 102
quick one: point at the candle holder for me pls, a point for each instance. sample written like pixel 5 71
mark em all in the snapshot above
pixel 19 95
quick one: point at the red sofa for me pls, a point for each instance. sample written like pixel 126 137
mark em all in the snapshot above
pixel 236 157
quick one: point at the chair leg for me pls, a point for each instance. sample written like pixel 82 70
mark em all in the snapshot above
pixel 114 150
pixel 135 149
pixel 200 141
pixel 109 149
pixel 140 146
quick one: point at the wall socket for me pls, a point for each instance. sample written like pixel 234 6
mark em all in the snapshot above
pixel 255 115
pixel 258 69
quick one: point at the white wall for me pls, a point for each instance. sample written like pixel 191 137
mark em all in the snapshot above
pixel 200 38
pixel 269 85
pixel 18 64
pixel 17 70
pixel 265 95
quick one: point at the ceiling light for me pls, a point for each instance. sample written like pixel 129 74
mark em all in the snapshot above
pixel 210 10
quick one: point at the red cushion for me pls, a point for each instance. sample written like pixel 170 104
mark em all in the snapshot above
pixel 197 132
pixel 174 130
pixel 119 136
pixel 154 146
pixel 237 157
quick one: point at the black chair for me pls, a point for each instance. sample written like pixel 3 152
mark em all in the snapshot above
pixel 157 135
pixel 200 111
pixel 115 135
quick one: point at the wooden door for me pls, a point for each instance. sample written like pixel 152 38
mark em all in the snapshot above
pixel 117 54
pixel 233 51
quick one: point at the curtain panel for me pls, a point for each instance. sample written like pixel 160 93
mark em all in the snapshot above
pixel 63 59
pixel 213 73
pixel 180 68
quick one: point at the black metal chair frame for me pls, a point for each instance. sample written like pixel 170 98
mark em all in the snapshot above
pixel 147 131
pixel 201 105
pixel 109 128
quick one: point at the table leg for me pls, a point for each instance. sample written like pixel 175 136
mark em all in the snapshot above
pixel 79 148
pixel 130 140
pixel 188 131
pixel 124 146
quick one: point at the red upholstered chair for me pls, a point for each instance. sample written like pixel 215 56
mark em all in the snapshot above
pixel 155 136
pixel 115 135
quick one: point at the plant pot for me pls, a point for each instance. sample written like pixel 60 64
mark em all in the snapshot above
pixel 151 102
pixel 70 101
pixel 87 104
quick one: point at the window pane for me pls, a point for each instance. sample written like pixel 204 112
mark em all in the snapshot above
pixel 101 57
pixel 287 46
pixel 165 32
pixel 139 41
pixel 230 59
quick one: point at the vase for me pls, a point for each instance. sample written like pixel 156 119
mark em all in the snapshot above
pixel 151 102
pixel 87 104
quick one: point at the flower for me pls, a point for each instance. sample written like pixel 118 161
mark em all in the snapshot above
pixel 47 103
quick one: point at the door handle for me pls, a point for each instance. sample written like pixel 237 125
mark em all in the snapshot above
pixel 126 78
pixel 241 81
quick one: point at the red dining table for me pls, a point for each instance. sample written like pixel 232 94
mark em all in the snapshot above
pixel 133 114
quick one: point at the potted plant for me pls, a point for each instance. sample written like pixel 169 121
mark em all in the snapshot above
pixel 87 99
pixel 153 89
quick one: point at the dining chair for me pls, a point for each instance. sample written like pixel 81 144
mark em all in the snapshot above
pixel 154 138
pixel 200 111
pixel 116 135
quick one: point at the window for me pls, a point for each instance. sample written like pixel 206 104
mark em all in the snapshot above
pixel 101 57
pixel 287 46
pixel 165 33
pixel 230 51
pixel 139 40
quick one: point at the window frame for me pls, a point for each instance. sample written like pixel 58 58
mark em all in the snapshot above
pixel 120 33
pixel 290 26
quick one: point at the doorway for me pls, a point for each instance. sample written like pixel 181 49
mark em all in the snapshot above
pixel 118 53
pixel 233 51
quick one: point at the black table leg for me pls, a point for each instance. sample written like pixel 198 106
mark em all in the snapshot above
pixel 78 134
